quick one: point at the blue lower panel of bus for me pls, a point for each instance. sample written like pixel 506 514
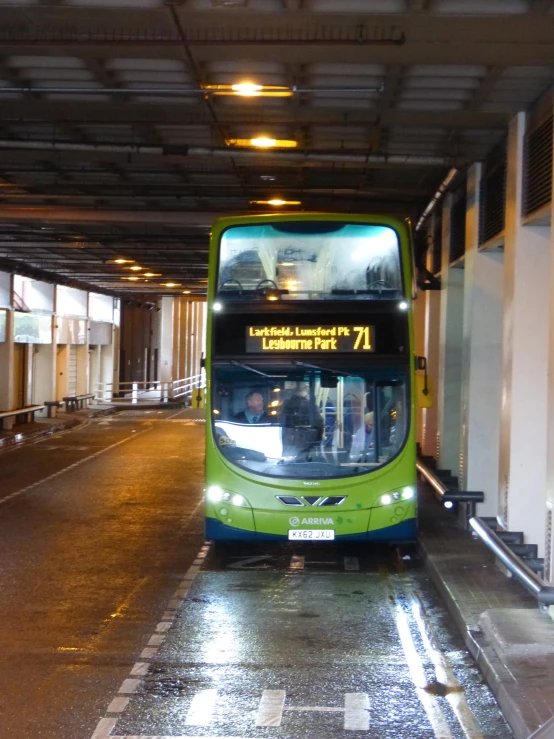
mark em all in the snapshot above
pixel 404 531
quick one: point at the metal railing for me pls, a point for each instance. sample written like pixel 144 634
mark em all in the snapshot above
pixel 187 385
pixel 449 497
pixel 546 731
pixel 135 393
pixel 543 592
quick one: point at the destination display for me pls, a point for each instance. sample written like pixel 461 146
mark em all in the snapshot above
pixel 346 339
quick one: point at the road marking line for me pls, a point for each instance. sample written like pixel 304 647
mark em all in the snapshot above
pixel 351 564
pixel 444 674
pixel 118 705
pixel 323 709
pixel 175 603
pixel 169 615
pixel 356 712
pixel 140 668
pixel 297 562
pixel 270 710
pixel 104 728
pixel 201 708
pixel 26 489
pixel 415 666
pixel 128 686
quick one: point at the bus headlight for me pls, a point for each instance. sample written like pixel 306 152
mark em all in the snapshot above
pixel 408 493
pixel 214 494
pixel 239 501
pixel 386 499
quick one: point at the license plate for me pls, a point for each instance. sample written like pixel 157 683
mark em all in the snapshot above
pixel 311 535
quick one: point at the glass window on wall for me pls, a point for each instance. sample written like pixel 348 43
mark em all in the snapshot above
pixel 5 290
pixel 2 325
pixel 32 296
pixel 100 307
pixel 71 302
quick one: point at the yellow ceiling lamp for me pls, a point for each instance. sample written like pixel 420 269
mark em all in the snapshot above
pixel 263 142
pixel 276 202
pixel 249 90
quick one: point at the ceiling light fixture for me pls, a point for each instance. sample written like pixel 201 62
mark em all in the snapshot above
pixel 170 284
pixel 152 274
pixel 276 201
pixel 263 142
pixel 249 89
pixel 122 261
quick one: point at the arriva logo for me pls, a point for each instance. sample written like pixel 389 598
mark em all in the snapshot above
pixel 294 521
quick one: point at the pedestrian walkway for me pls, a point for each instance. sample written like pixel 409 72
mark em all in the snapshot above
pixel 510 639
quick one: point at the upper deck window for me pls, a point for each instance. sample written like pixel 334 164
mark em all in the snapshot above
pixel 310 260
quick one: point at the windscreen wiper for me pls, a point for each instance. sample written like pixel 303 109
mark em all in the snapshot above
pixel 297 363
pixel 247 367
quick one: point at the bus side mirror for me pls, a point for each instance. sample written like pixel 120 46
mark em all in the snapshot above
pixel 423 392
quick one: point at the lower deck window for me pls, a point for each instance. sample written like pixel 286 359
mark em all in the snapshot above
pixel 309 425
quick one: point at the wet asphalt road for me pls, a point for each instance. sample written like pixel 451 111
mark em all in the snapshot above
pixel 89 558
pixel 287 642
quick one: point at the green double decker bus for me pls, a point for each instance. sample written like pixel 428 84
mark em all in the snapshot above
pixel 310 380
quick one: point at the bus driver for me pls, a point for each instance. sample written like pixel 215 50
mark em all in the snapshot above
pixel 254 411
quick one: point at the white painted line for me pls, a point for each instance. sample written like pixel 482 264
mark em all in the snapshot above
pixel 270 710
pixel 432 708
pixel 444 673
pixel 104 728
pixel 297 562
pixel 140 669
pixel 17 493
pixel 356 712
pixel 118 705
pixel 321 709
pixel 175 603
pixel 201 708
pixel 128 686
pixel 351 564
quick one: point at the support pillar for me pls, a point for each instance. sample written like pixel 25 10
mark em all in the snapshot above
pixel 432 332
pixel 166 354
pixel 44 371
pixel 450 353
pixel 7 391
pixel 419 348
pixel 482 358
pixel 523 450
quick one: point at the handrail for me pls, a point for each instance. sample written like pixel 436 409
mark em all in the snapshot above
pixel 529 579
pixel 433 480
pixel 444 494
pixel 546 731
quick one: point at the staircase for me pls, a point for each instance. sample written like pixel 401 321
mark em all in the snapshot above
pixel 514 540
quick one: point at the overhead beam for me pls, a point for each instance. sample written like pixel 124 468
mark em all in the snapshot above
pixel 85 112
pixel 80 215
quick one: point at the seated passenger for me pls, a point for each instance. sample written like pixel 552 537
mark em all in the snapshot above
pixel 363 440
pixel 254 411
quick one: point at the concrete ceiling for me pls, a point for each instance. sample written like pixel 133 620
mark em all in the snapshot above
pixel 111 146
